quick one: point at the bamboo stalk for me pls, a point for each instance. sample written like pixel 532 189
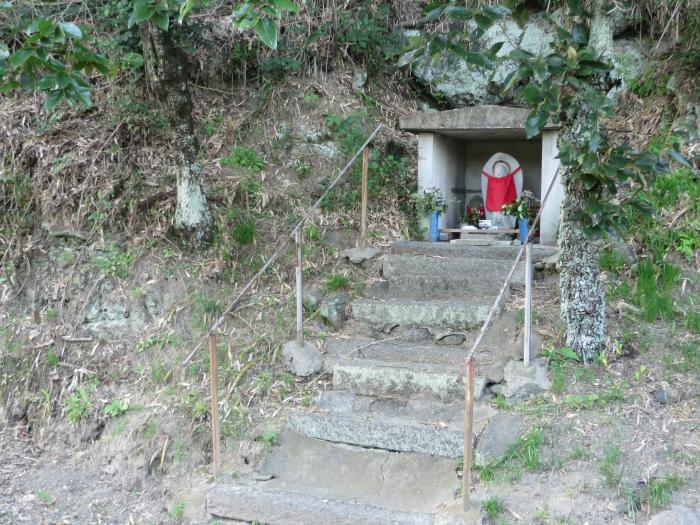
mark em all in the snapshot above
pixel 214 405
pixel 365 177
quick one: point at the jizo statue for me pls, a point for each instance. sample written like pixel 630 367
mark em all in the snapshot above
pixel 501 183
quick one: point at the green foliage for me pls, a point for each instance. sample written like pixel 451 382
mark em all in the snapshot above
pixel 524 207
pixel 430 200
pixel 263 17
pixel 77 405
pixel 243 157
pixel 244 232
pixel 493 507
pixel 523 455
pixel 610 469
pixel 268 439
pixel 116 408
pixel 650 83
pixel 367 34
pixel 114 262
pixel 177 512
pixel 655 494
pixel 611 260
pixel 45 497
pixel 51 56
pixel 336 282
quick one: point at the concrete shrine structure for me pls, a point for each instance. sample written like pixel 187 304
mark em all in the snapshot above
pixel 454 145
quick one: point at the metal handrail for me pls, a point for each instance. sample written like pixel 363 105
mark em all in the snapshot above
pixel 296 232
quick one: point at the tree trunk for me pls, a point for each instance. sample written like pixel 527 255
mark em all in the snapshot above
pixel 167 76
pixel 582 294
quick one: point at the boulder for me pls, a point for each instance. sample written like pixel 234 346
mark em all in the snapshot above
pixel 497 438
pixel 536 342
pixel 677 515
pixel 311 297
pixel 334 309
pixel 302 360
pixel 520 382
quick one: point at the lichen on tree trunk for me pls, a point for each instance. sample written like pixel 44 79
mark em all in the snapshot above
pixel 582 294
pixel 167 76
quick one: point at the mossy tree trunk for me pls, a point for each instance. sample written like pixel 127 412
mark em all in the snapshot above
pixel 166 69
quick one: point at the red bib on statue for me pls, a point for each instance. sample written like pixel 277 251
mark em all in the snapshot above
pixel 500 191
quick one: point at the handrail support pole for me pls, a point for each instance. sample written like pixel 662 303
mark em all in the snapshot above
pixel 298 237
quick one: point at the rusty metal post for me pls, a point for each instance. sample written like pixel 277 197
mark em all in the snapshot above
pixel 298 237
pixel 363 218
pixel 528 304
pixel 214 405
pixel 468 432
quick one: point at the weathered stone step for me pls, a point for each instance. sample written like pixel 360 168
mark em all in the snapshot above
pixel 317 482
pixel 403 425
pixel 444 249
pixel 422 287
pixel 256 504
pixel 479 273
pixel 440 317
pixel 372 377
pixel 338 350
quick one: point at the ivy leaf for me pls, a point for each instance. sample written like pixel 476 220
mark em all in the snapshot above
pixel 142 12
pixel 52 100
pixel 579 34
pixel 286 5
pixel 133 60
pixel 461 13
pixel 161 19
pixel 20 57
pixel 5 5
pixel 4 51
pixel 185 9
pixel 408 57
pixel 48 83
pixel 71 30
pixel 267 31
pixel 534 123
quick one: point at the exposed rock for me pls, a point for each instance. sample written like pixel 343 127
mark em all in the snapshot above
pixel 666 395
pixel 521 382
pixel 500 434
pixel 677 515
pixel 452 339
pixel 536 343
pixel 359 79
pixel 340 238
pixel 334 309
pixel 311 297
pixel 359 255
pixel 302 360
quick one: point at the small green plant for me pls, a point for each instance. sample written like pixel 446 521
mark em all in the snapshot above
pixel 302 168
pixel 115 408
pixel 501 402
pixel 244 232
pixel 51 357
pixel 115 263
pixel 524 207
pixel 611 260
pixel 523 455
pixel 45 497
pixel 430 200
pixel 336 282
pixel 177 512
pixel 610 469
pixel 493 507
pixel 243 157
pixel 77 405
pixel 268 439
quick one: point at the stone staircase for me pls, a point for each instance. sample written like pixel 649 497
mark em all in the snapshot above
pixel 384 446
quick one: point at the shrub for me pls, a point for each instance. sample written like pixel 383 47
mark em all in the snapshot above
pixel 243 157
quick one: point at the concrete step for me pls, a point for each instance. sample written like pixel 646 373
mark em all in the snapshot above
pixel 423 287
pixel 317 482
pixel 372 377
pixel 403 425
pixel 439 317
pixel 444 249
